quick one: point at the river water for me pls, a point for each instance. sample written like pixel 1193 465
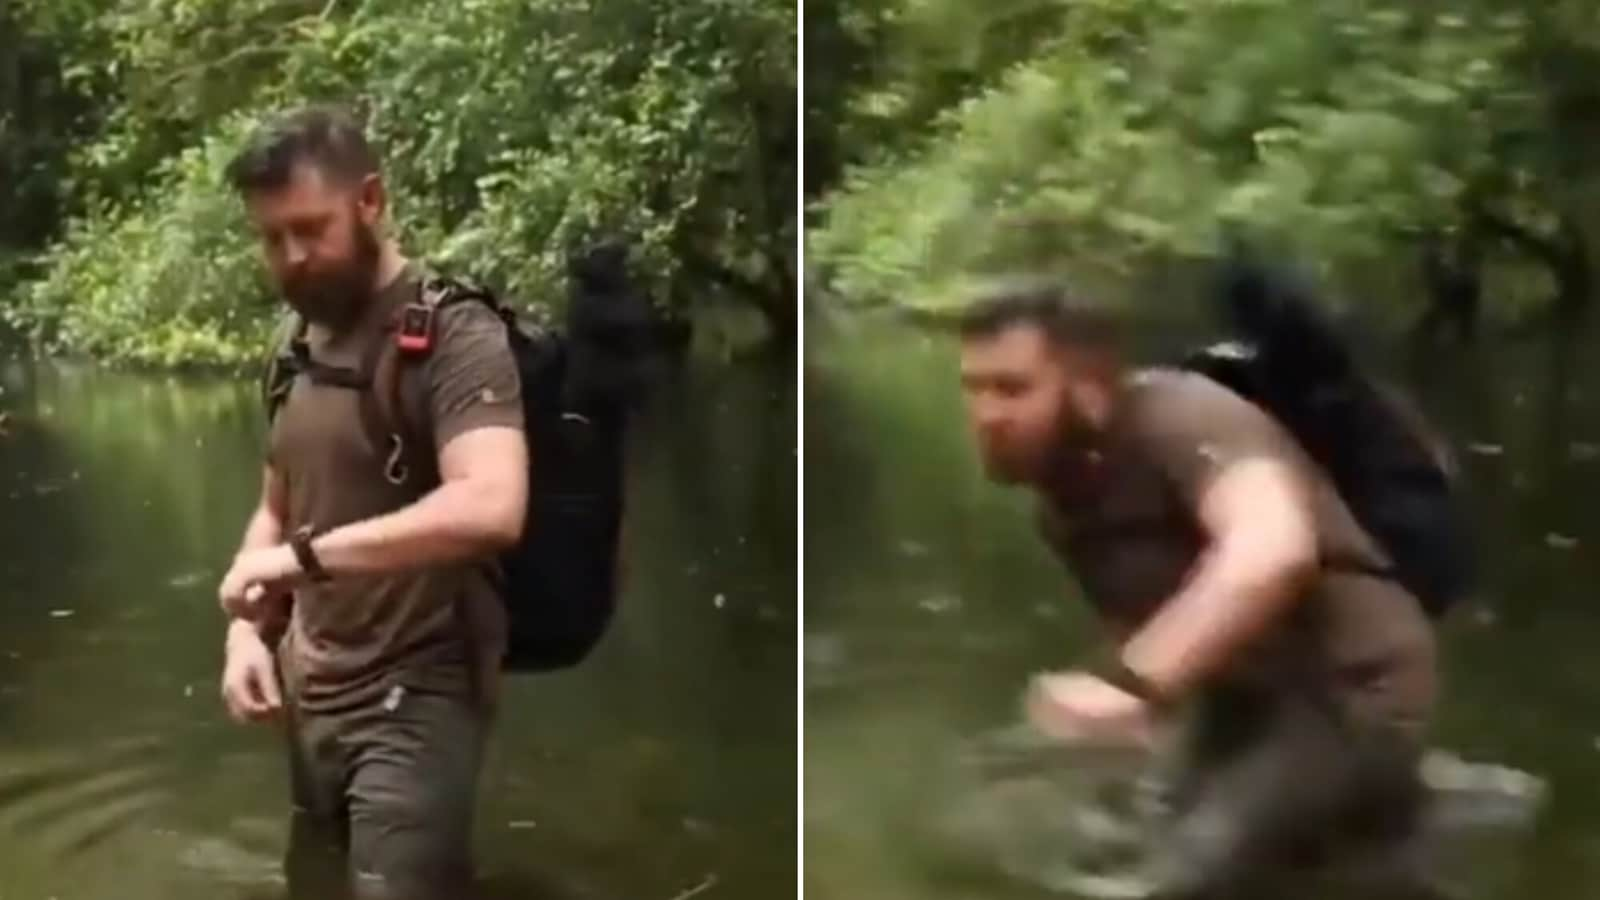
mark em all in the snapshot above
pixel 664 766
pixel 929 602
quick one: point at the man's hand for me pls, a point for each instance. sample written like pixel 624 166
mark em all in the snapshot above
pixel 258 577
pixel 249 679
pixel 1081 708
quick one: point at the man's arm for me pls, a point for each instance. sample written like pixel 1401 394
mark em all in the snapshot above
pixel 249 679
pixel 475 512
pixel 1262 548
pixel 264 529
pixel 475 411
pixel 475 408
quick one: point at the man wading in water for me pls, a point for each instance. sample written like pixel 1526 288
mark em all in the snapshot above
pixel 1199 529
pixel 390 655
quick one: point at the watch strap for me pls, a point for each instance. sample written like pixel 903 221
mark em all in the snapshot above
pixel 1110 668
pixel 300 543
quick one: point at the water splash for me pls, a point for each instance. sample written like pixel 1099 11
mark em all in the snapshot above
pixel 1082 821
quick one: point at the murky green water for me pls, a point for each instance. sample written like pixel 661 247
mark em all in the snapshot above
pixel 666 764
pixel 929 602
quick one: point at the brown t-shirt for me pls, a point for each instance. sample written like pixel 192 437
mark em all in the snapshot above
pixel 438 629
pixel 1127 528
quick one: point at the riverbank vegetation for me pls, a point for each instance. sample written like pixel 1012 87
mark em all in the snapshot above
pixel 1441 144
pixel 513 132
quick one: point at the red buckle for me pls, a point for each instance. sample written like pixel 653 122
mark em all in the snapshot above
pixel 415 334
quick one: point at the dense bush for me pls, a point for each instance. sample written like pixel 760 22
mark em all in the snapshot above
pixel 511 130
pixel 1110 133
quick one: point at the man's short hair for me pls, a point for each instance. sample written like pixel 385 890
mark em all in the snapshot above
pixel 328 137
pixel 1066 319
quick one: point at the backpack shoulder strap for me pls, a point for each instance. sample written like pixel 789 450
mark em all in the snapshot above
pixel 288 359
pixel 384 408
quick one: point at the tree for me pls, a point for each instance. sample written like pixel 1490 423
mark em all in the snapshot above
pixel 1127 133
pixel 44 113
pixel 512 132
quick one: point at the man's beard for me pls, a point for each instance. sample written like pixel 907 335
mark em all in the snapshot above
pixel 336 298
pixel 1071 438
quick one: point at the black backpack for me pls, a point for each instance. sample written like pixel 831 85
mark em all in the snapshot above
pixel 560 580
pixel 1289 360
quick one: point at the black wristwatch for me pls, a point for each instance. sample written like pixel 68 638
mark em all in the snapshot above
pixel 1110 668
pixel 300 543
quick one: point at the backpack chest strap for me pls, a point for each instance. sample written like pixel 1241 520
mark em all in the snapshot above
pixel 405 341
pixel 385 415
pixel 334 376
pixel 376 380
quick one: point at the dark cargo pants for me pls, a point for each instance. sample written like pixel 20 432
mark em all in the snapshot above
pixel 1269 785
pixel 383 798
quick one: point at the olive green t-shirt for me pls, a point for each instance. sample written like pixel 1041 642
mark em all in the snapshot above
pixel 437 629
pixel 1128 529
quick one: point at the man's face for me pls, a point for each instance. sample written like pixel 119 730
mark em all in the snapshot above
pixel 320 240
pixel 1018 389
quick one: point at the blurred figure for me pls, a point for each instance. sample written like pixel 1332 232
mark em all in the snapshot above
pixel 1237 584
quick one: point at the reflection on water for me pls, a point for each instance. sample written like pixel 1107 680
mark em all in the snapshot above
pixel 930 602
pixel 665 764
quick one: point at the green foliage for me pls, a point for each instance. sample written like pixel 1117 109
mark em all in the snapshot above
pixel 43 114
pixel 164 281
pixel 511 131
pixel 1119 133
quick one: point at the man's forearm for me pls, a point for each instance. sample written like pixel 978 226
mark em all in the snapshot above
pixel 1262 549
pixel 456 522
pixel 263 530
pixel 1231 599
pixel 243 630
